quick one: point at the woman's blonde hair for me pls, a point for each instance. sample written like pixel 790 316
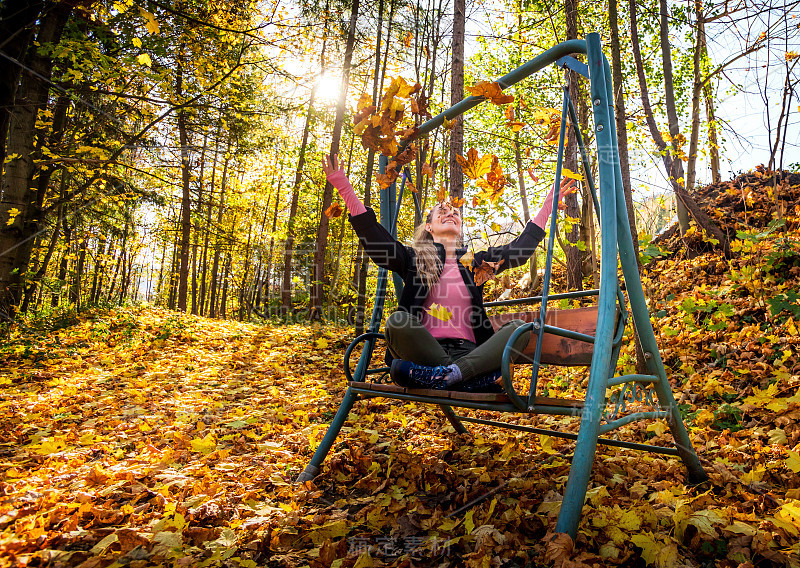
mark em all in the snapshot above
pixel 429 265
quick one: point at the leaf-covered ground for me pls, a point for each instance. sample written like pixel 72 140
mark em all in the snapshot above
pixel 139 437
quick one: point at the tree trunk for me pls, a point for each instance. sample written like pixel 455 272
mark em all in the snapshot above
pixel 186 205
pixel 215 265
pixel 75 289
pixel 456 95
pixel 321 246
pixel 697 88
pixel 268 277
pixel 196 235
pixel 63 265
pixel 99 267
pixel 288 251
pixel 16 191
pixel 573 253
pixel 17 23
pixel 622 123
pixel 223 305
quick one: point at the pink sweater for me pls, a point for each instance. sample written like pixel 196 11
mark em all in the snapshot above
pixel 451 293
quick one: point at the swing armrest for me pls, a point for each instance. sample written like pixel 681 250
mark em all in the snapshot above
pixel 369 336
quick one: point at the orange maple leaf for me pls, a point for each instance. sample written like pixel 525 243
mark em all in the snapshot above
pixel 474 166
pixel 491 91
pixel 441 195
pixel 427 170
pixel 485 271
pixel 333 211
pixel 495 181
pixel 516 126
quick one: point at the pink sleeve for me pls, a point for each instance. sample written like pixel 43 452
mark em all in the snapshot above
pixel 542 216
pixel 348 194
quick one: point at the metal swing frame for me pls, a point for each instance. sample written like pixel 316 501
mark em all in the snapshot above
pixel 616 247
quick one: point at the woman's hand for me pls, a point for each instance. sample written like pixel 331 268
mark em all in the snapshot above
pixel 567 187
pixel 330 165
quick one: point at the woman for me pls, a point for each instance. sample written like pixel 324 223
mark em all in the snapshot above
pixel 440 337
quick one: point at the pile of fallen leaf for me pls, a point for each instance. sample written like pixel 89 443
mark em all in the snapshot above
pixel 140 437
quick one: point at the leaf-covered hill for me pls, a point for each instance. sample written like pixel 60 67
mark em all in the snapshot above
pixel 140 437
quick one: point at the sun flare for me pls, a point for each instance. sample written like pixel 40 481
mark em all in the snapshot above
pixel 328 88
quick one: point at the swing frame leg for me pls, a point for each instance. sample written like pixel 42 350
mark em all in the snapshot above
pixel 454 421
pixel 313 468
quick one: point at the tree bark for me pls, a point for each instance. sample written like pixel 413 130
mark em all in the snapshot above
pixel 456 95
pixel 622 123
pixel 697 88
pixel 16 191
pixel 186 204
pixel 573 253
pixel 212 312
pixel 17 24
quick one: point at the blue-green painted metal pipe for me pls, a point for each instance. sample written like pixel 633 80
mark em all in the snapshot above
pixel 550 249
pixel 579 473
pixel 568 333
pixel 633 417
pixel 312 469
pixel 454 420
pixel 505 367
pixel 536 299
pixel 622 379
pixel 476 405
pixel 571 436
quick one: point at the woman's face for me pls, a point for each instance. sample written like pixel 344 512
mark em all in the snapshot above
pixel 445 222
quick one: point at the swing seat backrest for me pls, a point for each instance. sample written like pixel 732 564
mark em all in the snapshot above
pixel 556 350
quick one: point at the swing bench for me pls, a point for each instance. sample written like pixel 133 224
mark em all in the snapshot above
pixel 586 336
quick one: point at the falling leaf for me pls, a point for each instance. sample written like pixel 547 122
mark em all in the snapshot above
pixel 495 181
pixel 408 38
pixel 427 170
pixel 485 271
pixel 439 312
pixel 567 173
pixel 515 126
pixel 335 210
pixel 441 194
pixel 490 91
pixel 474 166
pixel 509 112
pixel 449 124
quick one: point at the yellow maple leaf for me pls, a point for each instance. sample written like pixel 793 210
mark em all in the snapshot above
pixel 12 215
pixel 144 59
pixel 567 173
pixel 204 445
pixel 150 21
pixel 473 165
pixel 439 312
pixel 762 398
